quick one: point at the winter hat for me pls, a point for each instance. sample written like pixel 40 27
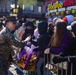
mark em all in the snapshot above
pixel 69 19
pixel 65 19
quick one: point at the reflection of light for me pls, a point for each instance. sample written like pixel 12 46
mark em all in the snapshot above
pixel 23 7
pixel 17 6
pixel 12 5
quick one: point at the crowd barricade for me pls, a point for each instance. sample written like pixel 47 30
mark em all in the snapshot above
pixel 59 68
pixel 50 68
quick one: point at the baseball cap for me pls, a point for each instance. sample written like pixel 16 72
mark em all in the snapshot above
pixel 29 25
pixel 10 19
pixel 72 27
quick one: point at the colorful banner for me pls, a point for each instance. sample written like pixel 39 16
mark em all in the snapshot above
pixel 65 6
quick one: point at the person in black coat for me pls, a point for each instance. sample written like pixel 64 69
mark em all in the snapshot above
pixel 41 44
pixel 69 54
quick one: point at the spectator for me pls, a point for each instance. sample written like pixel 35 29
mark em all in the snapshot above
pixel 51 29
pixel 69 53
pixel 29 29
pixel 60 38
pixel 19 29
pixel 42 43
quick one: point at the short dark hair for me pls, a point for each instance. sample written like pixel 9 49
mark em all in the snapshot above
pixel 10 19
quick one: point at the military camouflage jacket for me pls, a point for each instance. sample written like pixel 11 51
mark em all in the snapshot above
pixel 6 41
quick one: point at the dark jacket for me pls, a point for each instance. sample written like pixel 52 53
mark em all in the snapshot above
pixel 6 41
pixel 71 51
pixel 43 39
pixel 69 55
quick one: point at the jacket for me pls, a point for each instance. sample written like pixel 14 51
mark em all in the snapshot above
pixel 65 41
pixel 43 38
pixel 70 51
pixel 6 41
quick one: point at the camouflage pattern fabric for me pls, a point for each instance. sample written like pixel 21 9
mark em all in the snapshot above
pixel 3 66
pixel 6 42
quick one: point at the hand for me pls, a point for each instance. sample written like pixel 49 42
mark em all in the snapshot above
pixel 47 51
pixel 27 39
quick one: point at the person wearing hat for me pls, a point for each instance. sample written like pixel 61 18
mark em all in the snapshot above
pixel 6 42
pixel 29 30
pixel 69 53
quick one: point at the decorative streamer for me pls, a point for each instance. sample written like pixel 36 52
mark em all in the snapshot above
pixel 62 12
pixel 66 12
pixel 57 13
pixel 72 11
pixel 75 11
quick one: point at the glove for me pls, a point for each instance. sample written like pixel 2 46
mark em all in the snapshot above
pixel 55 59
pixel 58 59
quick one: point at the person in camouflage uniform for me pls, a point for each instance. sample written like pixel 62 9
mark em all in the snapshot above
pixel 6 42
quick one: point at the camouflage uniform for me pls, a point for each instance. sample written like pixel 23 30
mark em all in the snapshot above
pixel 6 42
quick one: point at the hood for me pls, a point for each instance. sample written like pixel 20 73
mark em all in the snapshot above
pixel 42 27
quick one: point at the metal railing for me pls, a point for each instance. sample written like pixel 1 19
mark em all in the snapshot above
pixel 49 68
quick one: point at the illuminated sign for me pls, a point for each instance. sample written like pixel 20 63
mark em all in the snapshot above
pixel 55 6
pixel 61 6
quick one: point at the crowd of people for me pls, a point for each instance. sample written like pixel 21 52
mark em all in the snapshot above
pixel 57 37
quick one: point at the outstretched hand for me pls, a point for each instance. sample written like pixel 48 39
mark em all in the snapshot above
pixel 27 39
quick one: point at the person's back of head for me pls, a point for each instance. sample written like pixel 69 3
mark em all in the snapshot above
pixel 61 25
pixel 59 31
